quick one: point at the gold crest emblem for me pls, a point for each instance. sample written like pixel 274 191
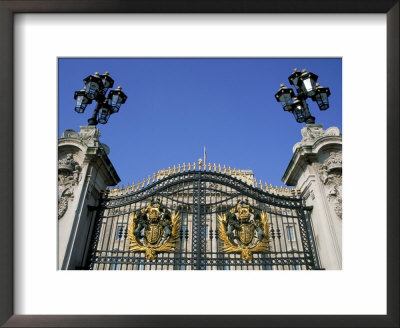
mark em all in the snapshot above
pixel 153 230
pixel 244 230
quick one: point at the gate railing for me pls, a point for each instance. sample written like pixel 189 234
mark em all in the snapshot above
pixel 200 197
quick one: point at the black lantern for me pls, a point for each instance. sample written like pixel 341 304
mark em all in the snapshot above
pixel 94 85
pixel 307 83
pixel 306 87
pixel 81 101
pixel 116 99
pixel 107 81
pixel 96 88
pixel 298 111
pixel 104 113
pixel 284 96
pixel 321 97
pixel 294 78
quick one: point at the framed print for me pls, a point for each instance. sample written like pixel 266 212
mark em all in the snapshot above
pixel 363 293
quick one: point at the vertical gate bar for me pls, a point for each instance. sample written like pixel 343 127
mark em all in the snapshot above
pixel 198 223
pixel 311 236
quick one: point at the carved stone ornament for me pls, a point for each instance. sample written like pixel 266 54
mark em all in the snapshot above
pixel 312 132
pixel 69 175
pixel 330 173
pixel 88 135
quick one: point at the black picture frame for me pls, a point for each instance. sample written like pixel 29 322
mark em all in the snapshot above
pixel 10 7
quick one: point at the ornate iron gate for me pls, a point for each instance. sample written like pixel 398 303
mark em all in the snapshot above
pixel 200 197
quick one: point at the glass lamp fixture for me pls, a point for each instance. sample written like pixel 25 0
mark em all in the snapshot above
pixel 107 81
pixel 96 88
pixel 93 85
pixel 298 111
pixel 81 100
pixel 294 78
pixel 116 98
pixel 307 82
pixel 321 97
pixel 284 96
pixel 104 113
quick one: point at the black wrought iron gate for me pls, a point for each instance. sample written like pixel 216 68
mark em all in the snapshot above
pixel 199 197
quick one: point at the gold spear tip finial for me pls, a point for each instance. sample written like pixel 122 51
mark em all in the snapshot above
pixel 107 73
pixel 295 69
pixel 96 73
pixel 119 87
pixel 317 84
pixel 303 70
pixel 200 161
pixel 281 85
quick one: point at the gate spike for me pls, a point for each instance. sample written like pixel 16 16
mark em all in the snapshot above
pixel 174 170
pixel 215 167
pixel 144 181
pixel 169 170
pixel 184 167
pixel 121 190
pixel 148 180
pixel 209 166
pixel 194 166
pixel 154 177
pixel 229 170
pixel 260 183
pixel 189 166
pixel 287 191
pixel 179 168
pixel 219 168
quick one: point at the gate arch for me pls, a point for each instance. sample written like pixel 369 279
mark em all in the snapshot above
pixel 200 196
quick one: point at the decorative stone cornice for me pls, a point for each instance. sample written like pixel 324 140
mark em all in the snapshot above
pixel 87 140
pixel 314 138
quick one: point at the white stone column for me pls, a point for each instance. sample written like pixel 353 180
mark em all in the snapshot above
pixel 84 172
pixel 316 169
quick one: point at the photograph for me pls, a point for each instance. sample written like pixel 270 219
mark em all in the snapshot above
pixel 200 163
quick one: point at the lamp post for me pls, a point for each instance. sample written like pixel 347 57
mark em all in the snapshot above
pixel 306 86
pixel 96 87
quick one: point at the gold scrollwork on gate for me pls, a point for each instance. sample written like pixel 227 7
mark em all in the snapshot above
pixel 244 230
pixel 153 230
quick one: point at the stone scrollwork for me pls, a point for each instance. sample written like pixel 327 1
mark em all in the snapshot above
pixel 69 175
pixel 312 132
pixel 88 135
pixel 330 173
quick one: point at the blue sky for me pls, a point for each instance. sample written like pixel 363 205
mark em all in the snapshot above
pixel 176 106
